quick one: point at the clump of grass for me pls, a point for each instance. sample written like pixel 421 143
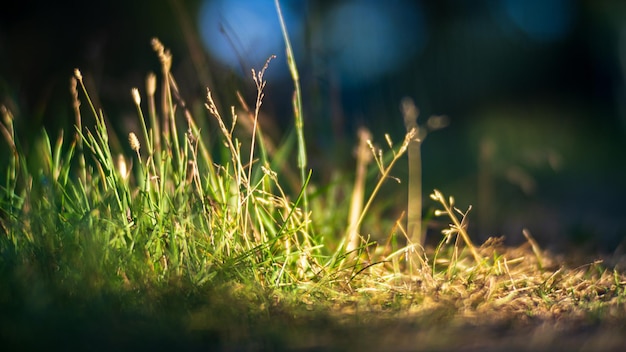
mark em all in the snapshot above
pixel 171 207
pixel 167 210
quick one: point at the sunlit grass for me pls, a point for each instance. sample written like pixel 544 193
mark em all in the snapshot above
pixel 175 225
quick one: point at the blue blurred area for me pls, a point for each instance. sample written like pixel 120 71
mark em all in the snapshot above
pixel 534 89
pixel 541 20
pixel 367 39
pixel 243 34
pixel 363 37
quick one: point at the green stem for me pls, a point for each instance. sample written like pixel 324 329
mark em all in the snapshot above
pixel 297 106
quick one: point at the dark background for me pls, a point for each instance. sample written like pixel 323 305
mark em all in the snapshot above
pixel 537 127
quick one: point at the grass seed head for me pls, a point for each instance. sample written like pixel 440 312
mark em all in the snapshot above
pixel 134 142
pixel 136 96
pixel 164 55
pixel 151 84
pixel 122 167
pixel 78 75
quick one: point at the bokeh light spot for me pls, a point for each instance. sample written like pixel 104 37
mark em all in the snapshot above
pixel 242 34
pixel 366 39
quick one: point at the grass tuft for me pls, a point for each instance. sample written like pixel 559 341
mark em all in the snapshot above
pixel 173 223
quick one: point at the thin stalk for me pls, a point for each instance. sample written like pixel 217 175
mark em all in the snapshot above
pixel 154 125
pixel 260 84
pixel 385 174
pixel 410 135
pixel 81 154
pixel 414 208
pixel 297 107
pixel 458 226
pixel 363 158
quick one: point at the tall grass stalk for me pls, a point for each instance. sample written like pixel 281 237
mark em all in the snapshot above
pixel 297 106
pixel 410 113
pixel 363 158
pixel 414 208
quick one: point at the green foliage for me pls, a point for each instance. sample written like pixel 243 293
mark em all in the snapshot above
pixel 166 211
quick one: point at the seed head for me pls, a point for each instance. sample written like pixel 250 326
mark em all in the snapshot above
pixel 136 96
pixel 78 75
pixel 134 142
pixel 151 84
pixel 121 166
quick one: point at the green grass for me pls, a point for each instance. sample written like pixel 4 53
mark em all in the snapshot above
pixel 178 240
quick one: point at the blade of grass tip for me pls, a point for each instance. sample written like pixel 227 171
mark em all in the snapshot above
pixel 297 106
pixel 535 247
pixel 65 164
pixel 149 142
pixel 56 157
pixel 79 77
pixel 79 126
pixel 6 128
pixel 47 153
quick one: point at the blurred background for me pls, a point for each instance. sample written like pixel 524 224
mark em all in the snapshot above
pixel 534 90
